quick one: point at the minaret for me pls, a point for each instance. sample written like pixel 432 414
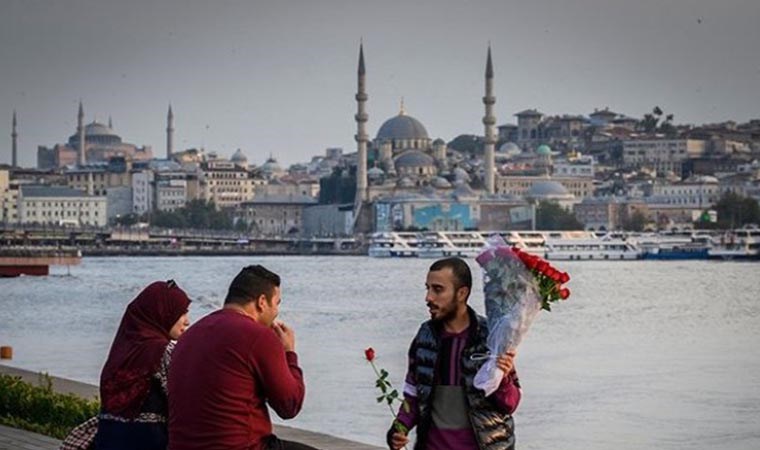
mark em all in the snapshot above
pixel 361 133
pixel 14 143
pixel 169 133
pixel 80 131
pixel 489 121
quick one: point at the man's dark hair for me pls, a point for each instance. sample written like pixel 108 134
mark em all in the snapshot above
pixel 250 283
pixel 462 274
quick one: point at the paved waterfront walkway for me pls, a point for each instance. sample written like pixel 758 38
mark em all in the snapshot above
pixel 13 439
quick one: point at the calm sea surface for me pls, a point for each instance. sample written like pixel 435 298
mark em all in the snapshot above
pixel 645 354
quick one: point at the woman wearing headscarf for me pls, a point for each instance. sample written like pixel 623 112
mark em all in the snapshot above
pixel 134 408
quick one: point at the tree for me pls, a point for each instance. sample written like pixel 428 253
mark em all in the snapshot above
pixel 735 211
pixel 468 143
pixel 651 123
pixel 636 222
pixel 551 216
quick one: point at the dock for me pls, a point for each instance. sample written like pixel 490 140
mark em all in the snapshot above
pixel 13 439
pixel 15 261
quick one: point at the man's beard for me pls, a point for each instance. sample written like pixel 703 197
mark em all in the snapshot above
pixel 442 315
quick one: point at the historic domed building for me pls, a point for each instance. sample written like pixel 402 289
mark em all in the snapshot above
pixel 403 132
pixel 91 143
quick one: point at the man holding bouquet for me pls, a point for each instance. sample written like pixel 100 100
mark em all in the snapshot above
pixel 440 398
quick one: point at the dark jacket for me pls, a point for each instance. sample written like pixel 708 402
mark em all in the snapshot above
pixel 494 429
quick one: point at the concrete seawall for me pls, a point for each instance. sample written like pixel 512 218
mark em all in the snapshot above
pixel 10 438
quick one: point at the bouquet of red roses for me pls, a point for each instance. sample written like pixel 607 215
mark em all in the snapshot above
pixel 516 285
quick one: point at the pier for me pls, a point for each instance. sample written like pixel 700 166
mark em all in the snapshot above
pixel 15 261
pixel 14 439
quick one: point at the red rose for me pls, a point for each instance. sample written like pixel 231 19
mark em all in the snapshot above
pixel 369 354
pixel 542 265
pixel 564 278
pixel 564 293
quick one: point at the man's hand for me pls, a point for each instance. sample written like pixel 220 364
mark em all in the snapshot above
pixel 506 362
pixel 398 440
pixel 286 335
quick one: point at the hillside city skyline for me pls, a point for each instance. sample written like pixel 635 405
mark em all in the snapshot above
pixel 273 79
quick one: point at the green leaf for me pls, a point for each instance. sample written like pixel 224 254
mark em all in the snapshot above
pixel 380 399
pixel 383 374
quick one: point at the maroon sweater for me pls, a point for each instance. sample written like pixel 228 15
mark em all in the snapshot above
pixel 224 371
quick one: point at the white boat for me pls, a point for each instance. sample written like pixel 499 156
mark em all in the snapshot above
pixel 442 244
pixel 465 244
pixel 603 248
pixel 396 244
pixel 743 243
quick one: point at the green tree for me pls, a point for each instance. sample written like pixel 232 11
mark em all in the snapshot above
pixel 636 222
pixel 653 122
pixel 468 143
pixel 551 216
pixel 735 211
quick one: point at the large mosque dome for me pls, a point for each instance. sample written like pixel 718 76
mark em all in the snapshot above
pixel 96 132
pixel 402 127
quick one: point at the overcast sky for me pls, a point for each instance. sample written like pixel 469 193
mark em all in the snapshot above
pixel 279 77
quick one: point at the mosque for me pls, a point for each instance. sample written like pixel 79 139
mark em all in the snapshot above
pixel 92 143
pixel 404 179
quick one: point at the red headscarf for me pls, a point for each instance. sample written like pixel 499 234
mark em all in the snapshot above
pixel 138 347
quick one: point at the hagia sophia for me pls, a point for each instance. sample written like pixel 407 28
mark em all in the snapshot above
pixel 92 142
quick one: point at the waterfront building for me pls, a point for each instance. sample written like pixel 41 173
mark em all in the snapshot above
pixel 328 220
pixel 97 178
pixel 289 186
pixel 95 142
pixel 226 183
pixel 700 192
pixel 462 209
pixel 57 205
pixel 661 155
pixel 163 186
pixel 608 213
pixel 276 215
pixel 8 197
pixel 579 187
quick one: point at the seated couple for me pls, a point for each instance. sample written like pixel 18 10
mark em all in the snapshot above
pixel 208 390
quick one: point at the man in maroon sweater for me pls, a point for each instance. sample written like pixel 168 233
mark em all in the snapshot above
pixel 229 366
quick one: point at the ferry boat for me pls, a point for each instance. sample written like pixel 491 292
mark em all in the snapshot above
pixel 442 244
pixel 674 246
pixel 743 243
pixel 396 244
pixel 607 247
pixel 465 244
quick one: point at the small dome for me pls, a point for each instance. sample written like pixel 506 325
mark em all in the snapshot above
pixel 439 141
pixel 440 183
pixel 547 189
pixel 402 127
pixel 414 158
pixel 544 150
pixel 405 182
pixel 375 172
pixel 271 166
pixel 510 148
pixel 461 175
pixel 239 157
